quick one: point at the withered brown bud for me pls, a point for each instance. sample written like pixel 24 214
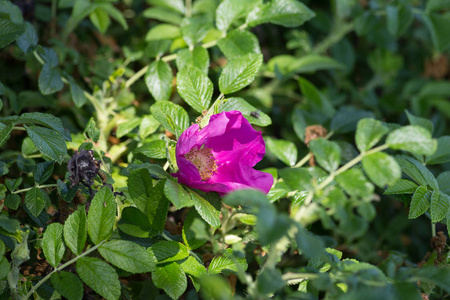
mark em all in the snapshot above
pixel 83 167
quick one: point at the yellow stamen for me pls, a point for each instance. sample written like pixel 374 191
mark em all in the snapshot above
pixel 203 160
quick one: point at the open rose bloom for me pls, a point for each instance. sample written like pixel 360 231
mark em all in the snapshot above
pixel 221 156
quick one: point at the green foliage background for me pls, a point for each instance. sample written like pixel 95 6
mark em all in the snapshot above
pixel 351 97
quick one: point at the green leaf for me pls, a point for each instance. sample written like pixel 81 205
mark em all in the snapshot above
pixel 46 120
pixel 11 23
pixel 171 278
pixel 50 80
pixel 315 98
pixel 195 88
pixel 28 40
pixel 8 224
pixel 227 261
pixel 172 116
pixel 99 276
pixel 311 245
pixel 296 178
pixel 99 17
pixel 287 64
pixel 402 186
pixel 68 285
pixel 283 150
pixel 5 131
pixel 52 244
pixel 420 202
pixel 414 120
pixel 153 149
pixel 355 183
pixel 174 5
pixel 436 24
pixel 346 119
pixel 399 18
pixel 440 204
pixel 3 169
pixel 49 56
pixel 163 15
pixel 148 126
pixel 127 127
pixel 177 194
pixel 251 113
pixel 229 11
pixel 149 199
pixel 215 287
pixel 35 200
pixel 198 57
pixel 2 191
pixel 417 171
pixel 381 168
pixel 442 154
pixel 412 138
pixel 157 208
pixel 128 256
pixel 194 29
pixel 43 171
pixel 368 133
pixel 193 267
pixel 238 43
pixel 91 130
pixel 163 32
pixel 169 251
pixel 239 72
pixel 195 233
pixel 12 201
pixel 114 13
pixel 102 215
pixel 159 80
pixel 135 223
pixel 156 48
pixel 327 154
pixel 75 230
pixel 288 13
pixel 67 192
pixel 443 181
pixel 206 210
pixel 49 142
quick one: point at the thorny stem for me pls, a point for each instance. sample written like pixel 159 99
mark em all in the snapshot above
pixel 35 287
pixel 332 175
pixel 348 165
pixel 38 186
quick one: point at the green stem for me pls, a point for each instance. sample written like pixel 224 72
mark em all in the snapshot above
pixel 303 160
pixel 433 229
pixel 349 165
pixel 188 5
pixel 43 280
pixel 19 128
pixel 335 36
pixel 38 186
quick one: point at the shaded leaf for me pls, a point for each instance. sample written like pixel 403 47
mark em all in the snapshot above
pixel 100 276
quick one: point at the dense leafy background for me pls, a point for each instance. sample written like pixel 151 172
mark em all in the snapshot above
pixel 351 97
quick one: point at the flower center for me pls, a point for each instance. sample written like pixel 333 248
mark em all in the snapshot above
pixel 203 160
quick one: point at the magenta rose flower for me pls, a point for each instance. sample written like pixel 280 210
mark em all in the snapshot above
pixel 221 156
